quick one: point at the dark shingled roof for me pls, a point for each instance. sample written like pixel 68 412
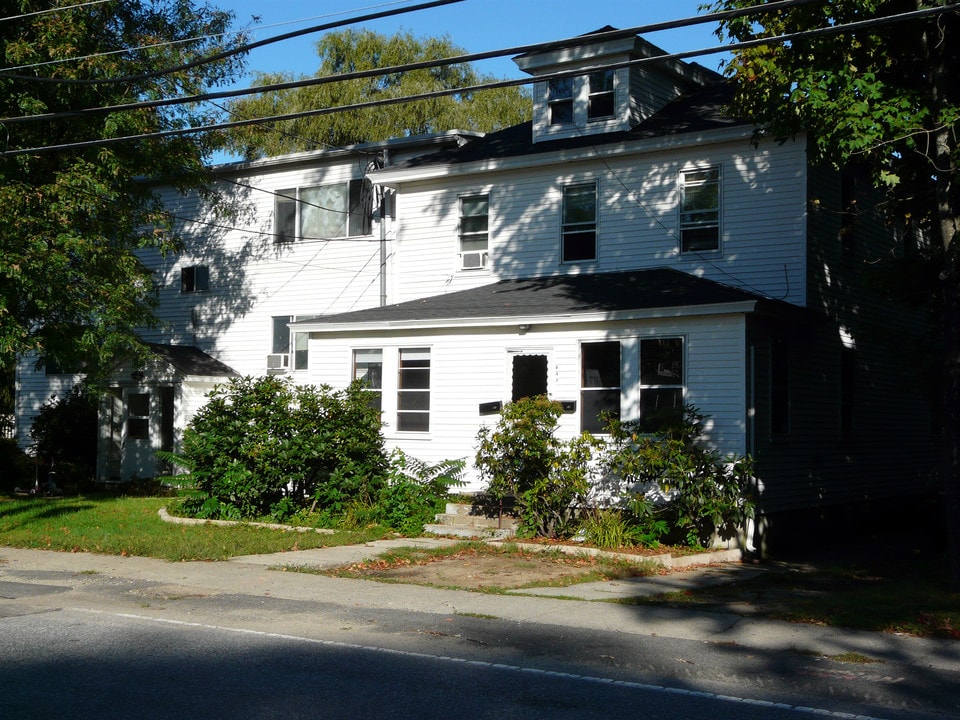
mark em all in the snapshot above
pixel 557 296
pixel 191 360
pixel 700 110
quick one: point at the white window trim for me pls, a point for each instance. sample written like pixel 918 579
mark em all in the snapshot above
pixel 294 195
pixel 484 255
pixel 596 221
pixel 681 189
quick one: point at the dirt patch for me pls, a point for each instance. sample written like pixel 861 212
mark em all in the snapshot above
pixel 480 569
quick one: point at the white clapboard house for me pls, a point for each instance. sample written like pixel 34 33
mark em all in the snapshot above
pixel 629 250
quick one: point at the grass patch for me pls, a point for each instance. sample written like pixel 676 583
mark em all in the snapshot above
pixel 854 658
pixel 112 525
pixel 913 597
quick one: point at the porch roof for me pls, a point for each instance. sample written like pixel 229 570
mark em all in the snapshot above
pixel 619 295
pixel 190 360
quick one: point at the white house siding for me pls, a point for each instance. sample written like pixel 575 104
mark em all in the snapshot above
pixel 32 389
pixel 471 367
pixel 763 221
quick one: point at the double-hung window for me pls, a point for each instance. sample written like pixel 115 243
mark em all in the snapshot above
pixel 413 390
pixel 600 97
pixel 579 223
pixel 661 383
pixel 560 100
pixel 323 211
pixel 700 209
pixel 599 384
pixel 368 369
pixel 474 231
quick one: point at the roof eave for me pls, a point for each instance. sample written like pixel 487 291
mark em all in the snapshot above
pixel 392 177
pixel 532 320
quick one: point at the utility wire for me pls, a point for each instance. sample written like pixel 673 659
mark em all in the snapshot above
pixel 240 32
pixel 231 52
pixel 778 39
pixel 51 10
pixel 422 65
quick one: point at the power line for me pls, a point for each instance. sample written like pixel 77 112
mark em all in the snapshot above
pixel 232 51
pixel 383 102
pixel 422 65
pixel 240 32
pixel 52 10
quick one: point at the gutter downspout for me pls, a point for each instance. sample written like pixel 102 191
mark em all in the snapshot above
pixel 383 235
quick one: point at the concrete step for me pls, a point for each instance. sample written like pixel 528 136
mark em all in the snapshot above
pixel 459 520
pixel 466 531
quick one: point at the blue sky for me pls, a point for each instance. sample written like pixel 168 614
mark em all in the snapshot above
pixel 475 25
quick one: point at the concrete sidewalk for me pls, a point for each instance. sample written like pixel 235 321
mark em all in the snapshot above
pixel 252 577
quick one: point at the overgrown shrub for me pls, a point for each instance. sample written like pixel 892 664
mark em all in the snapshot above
pixel 415 492
pixel 64 436
pixel 528 467
pixel 671 485
pixel 264 447
pixel 17 469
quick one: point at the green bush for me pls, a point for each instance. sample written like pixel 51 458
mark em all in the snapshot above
pixel 264 447
pixel 415 492
pixel 65 434
pixel 528 467
pixel 17 469
pixel 671 485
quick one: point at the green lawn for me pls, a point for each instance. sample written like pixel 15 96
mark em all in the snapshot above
pixel 114 525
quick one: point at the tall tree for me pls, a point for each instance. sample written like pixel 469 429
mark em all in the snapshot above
pixel 73 289
pixel 350 51
pixel 886 97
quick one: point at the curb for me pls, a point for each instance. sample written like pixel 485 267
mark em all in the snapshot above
pixel 167 517
pixel 730 555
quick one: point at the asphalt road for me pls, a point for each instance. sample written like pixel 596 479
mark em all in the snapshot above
pixel 222 642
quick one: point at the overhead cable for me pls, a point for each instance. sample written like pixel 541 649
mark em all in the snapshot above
pixel 778 39
pixel 51 10
pixel 231 52
pixel 422 65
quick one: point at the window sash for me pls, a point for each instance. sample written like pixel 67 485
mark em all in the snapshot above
pixel 324 211
pixel 601 98
pixel 700 209
pixel 662 383
pixel 579 222
pixel 600 380
pixel 560 100
pixel 474 223
pixel 413 390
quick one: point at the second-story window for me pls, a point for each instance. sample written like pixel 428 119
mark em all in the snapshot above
pixel 560 100
pixel 474 231
pixel 600 99
pixel 700 209
pixel 195 278
pixel 323 211
pixel 579 223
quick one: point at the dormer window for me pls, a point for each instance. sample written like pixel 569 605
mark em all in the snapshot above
pixel 560 101
pixel 601 98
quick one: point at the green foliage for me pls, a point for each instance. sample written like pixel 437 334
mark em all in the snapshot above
pixel 73 288
pixel 64 436
pixel 266 447
pixel 670 484
pixel 525 464
pixel 415 492
pixel 17 469
pixel 350 51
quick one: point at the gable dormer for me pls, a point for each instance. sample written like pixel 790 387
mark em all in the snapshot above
pixel 591 88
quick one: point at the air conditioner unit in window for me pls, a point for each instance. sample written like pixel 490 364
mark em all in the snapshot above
pixel 278 363
pixel 473 260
